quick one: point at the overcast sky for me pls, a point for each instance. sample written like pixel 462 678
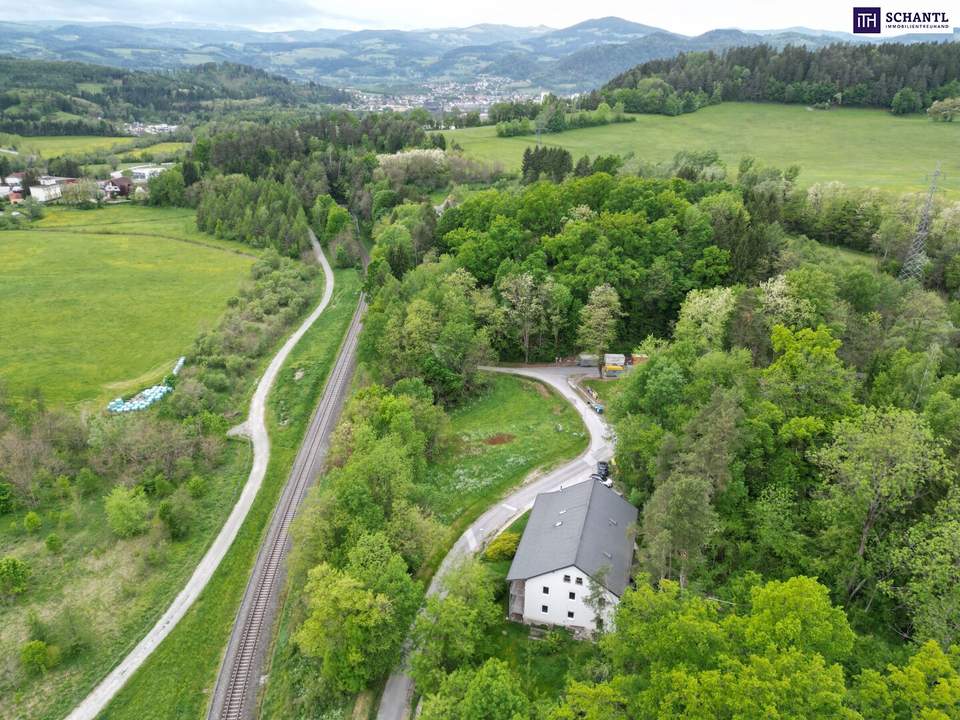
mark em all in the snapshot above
pixel 684 16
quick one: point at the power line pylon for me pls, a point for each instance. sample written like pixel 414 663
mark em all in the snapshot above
pixel 916 260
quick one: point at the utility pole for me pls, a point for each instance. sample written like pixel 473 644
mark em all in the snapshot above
pixel 916 260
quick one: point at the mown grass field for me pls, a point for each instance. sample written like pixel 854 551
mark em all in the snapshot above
pixel 55 146
pixel 176 680
pixel 155 151
pixel 94 304
pixel 861 147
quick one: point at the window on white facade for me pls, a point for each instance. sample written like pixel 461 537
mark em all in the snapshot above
pixel 566 578
pixel 570 614
pixel 579 581
pixel 573 595
pixel 546 590
pixel 544 608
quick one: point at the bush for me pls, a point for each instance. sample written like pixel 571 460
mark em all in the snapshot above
pixel 127 511
pixel 6 498
pixel 37 657
pixel 176 513
pixel 343 258
pixel 88 482
pixel 32 522
pixel 503 547
pixel 906 101
pixel 72 631
pixel 14 574
pixel 156 485
pixel 54 543
pixel 197 486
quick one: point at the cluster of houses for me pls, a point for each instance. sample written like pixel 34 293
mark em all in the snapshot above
pixel 50 187
pixel 140 129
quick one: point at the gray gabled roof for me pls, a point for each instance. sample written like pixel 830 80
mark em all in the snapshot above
pixel 587 525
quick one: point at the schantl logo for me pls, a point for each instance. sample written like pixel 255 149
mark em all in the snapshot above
pixel 866 20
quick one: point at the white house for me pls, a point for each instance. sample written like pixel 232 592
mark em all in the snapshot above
pixel 576 536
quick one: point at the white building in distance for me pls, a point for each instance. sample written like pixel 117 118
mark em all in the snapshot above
pixel 577 535
pixel 142 173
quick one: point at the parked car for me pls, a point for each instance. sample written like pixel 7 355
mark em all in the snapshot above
pixel 598 408
pixel 603 468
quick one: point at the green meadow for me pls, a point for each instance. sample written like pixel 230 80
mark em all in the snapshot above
pixel 860 147
pixel 57 145
pixel 54 146
pixel 95 304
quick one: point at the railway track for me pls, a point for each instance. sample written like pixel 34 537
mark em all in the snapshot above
pixel 238 682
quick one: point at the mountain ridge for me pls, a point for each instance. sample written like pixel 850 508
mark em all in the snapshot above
pixel 572 59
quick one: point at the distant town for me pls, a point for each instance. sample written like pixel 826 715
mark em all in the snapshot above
pixel 443 96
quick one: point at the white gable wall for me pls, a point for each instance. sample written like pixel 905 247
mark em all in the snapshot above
pixel 558 601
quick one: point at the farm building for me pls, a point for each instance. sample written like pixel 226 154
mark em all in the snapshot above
pixel 576 536
pixel 142 173
pixel 46 193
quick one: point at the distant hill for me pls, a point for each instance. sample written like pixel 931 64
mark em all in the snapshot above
pixel 41 97
pixel 576 58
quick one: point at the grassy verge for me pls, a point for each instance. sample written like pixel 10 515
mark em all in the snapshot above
pixel 607 389
pixel 176 680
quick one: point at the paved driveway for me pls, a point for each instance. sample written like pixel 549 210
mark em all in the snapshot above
pixel 394 704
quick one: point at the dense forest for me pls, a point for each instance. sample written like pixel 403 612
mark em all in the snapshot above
pixel 859 75
pixel 68 98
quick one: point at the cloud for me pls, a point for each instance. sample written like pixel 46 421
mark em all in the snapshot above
pixel 276 14
pixel 685 16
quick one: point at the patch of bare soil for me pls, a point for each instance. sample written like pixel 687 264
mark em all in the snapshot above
pixel 499 439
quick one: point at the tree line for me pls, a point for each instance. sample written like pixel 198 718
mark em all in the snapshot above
pixel 904 77
pixel 554 118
